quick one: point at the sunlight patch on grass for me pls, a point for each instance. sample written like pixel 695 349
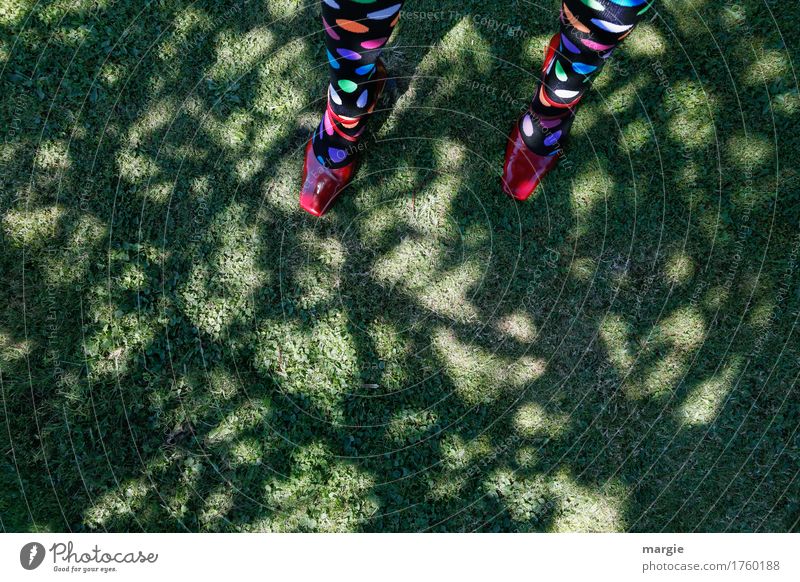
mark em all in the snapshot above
pixel 328 250
pixel 471 368
pixel 661 378
pixel 683 11
pixel 583 269
pixel 684 329
pixel 528 457
pixel 704 401
pixel 136 167
pixel 674 340
pixel 750 152
pixel 733 16
pixel 223 385
pixel 787 103
pixel 770 66
pixel 391 370
pixel 10 351
pixel 111 74
pixel 322 494
pixel 70 264
pixel 159 115
pixel 231 133
pixel 245 418
pixel 522 371
pixel 281 190
pixel 517 325
pixel 447 292
pixel 462 41
pixel 616 333
pixel 449 156
pixel 284 9
pixel 759 315
pixel 480 376
pixel 13 13
pixel 116 503
pixel 52 12
pixel 315 285
pixel 318 278
pixel 715 297
pixel 159 192
pixel 10 153
pixel 621 100
pixel 430 213
pixel 52 156
pixel 459 453
pixel 446 485
pixel 679 268
pixel 247 167
pixel 246 452
pixel 239 53
pixel 283 83
pixel 413 263
pixel 388 344
pixel 691 124
pixel 320 363
pixel 587 509
pixel 133 277
pixel 689 175
pixel 636 135
pixel 32 228
pixel 525 498
pixel 532 420
pixel 407 427
pixel 647 41
pixel 216 505
pixel 533 50
pixel 219 286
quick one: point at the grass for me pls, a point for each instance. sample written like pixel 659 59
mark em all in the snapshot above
pixel 182 349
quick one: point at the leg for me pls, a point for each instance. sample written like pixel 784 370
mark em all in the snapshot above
pixel 355 33
pixel 590 31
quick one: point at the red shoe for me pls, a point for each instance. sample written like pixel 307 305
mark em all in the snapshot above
pixel 321 185
pixel 523 169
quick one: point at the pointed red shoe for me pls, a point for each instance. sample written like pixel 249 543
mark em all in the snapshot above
pixel 321 185
pixel 523 169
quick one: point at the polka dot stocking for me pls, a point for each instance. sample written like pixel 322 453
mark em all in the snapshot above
pixel 590 31
pixel 355 33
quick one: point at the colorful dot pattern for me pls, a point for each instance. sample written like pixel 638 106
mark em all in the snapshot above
pixel 590 31
pixel 357 30
pixel 355 33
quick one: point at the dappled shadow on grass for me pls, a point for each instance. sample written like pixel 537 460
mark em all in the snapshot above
pixel 200 355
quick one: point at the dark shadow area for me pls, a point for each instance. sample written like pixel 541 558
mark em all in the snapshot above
pixel 182 349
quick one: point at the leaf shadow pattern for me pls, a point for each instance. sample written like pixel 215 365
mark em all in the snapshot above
pixel 183 350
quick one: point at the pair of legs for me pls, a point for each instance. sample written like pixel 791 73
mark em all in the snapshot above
pixel 357 30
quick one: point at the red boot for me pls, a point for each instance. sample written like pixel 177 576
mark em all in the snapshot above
pixel 322 185
pixel 523 169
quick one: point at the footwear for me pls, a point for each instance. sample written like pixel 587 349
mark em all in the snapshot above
pixel 523 169
pixel 321 185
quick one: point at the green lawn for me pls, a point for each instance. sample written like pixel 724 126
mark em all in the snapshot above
pixel 181 348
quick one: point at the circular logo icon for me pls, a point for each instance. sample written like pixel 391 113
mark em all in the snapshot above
pixel 31 555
